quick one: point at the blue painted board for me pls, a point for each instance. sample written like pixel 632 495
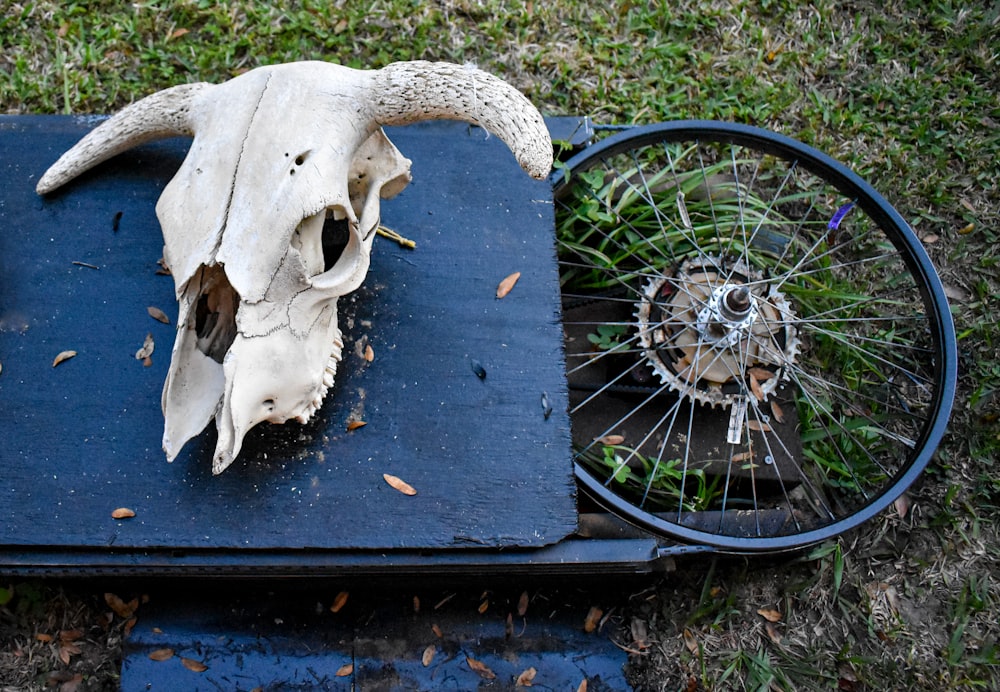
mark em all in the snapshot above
pixel 83 438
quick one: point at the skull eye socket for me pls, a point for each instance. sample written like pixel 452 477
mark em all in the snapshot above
pixel 215 313
pixel 336 234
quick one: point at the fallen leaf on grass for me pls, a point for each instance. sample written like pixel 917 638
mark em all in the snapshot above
pixel 428 655
pixel 345 670
pixel 690 642
pixel 122 513
pixel 63 357
pixel 902 505
pixel 526 677
pixel 193 665
pixel 481 668
pixel 640 634
pixel 339 602
pixel 158 314
pixel 593 619
pixel 161 655
pixel 67 651
pixel 67 681
pixel 777 412
pixel 772 632
pixel 122 609
pixel 769 614
pixel 399 484
pixel 507 284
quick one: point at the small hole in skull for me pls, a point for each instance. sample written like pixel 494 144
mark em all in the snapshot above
pixel 336 233
pixel 215 314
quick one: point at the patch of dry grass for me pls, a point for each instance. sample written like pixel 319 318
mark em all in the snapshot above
pixel 904 91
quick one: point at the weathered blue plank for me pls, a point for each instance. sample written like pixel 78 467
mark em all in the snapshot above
pixel 81 439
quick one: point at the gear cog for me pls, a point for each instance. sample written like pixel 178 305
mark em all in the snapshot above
pixel 711 326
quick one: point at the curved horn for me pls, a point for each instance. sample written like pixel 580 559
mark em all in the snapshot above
pixel 406 92
pixel 159 115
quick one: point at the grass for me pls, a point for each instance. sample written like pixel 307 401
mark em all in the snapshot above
pixel 904 91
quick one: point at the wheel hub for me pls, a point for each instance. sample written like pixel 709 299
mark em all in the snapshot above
pixel 707 329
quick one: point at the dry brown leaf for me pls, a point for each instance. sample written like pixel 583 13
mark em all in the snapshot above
pixel 902 505
pixel 526 677
pixel 777 412
pixel 399 484
pixel 612 440
pixel 690 642
pixel 130 624
pixel 46 638
pixel 507 284
pixel 70 635
pixel 72 684
pixel 122 513
pixel 158 314
pixel 522 604
pixel 122 609
pixel 481 668
pixel 484 606
pixel 931 238
pixel 593 619
pixel 162 654
pixel 369 353
pixel 761 374
pixel 355 424
pixel 772 632
pixel 437 631
pixel 193 665
pixel 146 351
pixel 742 456
pixel 769 614
pixel 967 229
pixel 345 670
pixel 758 393
pixel 339 602
pixel 758 426
pixel 640 634
pixel 63 357
pixel 178 33
pixel 428 656
pixel 68 650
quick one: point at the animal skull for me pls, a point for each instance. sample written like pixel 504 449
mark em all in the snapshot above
pixel 277 151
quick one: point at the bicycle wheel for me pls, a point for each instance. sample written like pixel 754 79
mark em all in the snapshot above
pixel 759 352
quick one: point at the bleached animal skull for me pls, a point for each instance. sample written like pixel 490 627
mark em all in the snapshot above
pixel 276 151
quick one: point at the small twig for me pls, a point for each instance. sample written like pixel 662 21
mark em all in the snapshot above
pixel 85 264
pixel 387 232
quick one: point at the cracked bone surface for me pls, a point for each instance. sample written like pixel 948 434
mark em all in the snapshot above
pixel 279 153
